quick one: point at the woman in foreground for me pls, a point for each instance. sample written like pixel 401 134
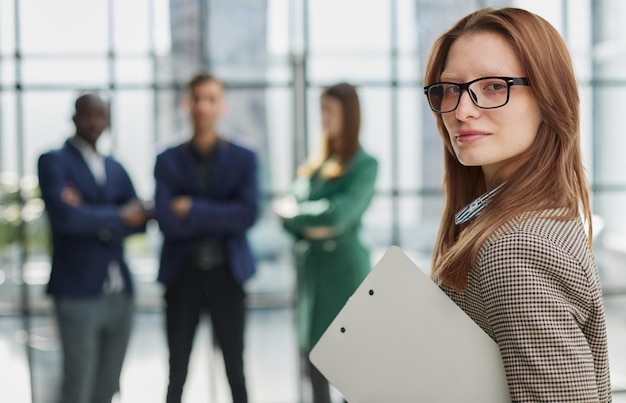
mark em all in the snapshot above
pixel 512 250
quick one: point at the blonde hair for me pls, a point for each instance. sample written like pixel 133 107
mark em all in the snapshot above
pixel 552 174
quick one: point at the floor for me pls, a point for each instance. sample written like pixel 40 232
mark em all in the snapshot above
pixel 272 362
pixel 270 357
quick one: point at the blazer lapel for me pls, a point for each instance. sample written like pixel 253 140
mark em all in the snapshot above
pixel 219 172
pixel 109 186
pixel 190 175
pixel 86 182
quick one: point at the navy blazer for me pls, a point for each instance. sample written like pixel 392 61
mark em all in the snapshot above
pixel 87 237
pixel 226 214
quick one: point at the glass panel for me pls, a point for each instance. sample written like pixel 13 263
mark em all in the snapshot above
pixel 587 129
pixel 610 36
pixel 579 37
pixel 169 118
pixel 7 27
pixel 280 142
pixel 610 236
pixel 8 131
pixel 268 68
pixel 132 125
pixel 376 131
pixel 257 49
pixel 406 27
pixel 165 70
pixel 355 26
pixel 131 26
pixel 47 122
pixel 162 37
pixel 247 122
pixel 609 162
pixel 187 37
pixel 134 71
pixel 410 139
pixel 7 72
pixel 237 39
pixel 419 225
pixel 64 26
pixel 84 72
pixel 10 282
pixel 612 67
pixel 10 274
pixel 359 49
pixel 375 66
pixel 410 69
pixel 278 20
pixel 377 226
pixel 552 11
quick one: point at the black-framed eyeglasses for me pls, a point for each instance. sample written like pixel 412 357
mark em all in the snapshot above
pixel 485 92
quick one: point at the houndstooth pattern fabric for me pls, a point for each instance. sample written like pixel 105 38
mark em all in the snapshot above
pixel 535 290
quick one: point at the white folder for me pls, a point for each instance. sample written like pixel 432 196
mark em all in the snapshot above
pixel 400 339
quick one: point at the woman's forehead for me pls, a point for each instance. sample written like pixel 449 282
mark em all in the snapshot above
pixel 480 55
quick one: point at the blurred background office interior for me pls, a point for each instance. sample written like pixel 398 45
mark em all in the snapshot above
pixel 275 56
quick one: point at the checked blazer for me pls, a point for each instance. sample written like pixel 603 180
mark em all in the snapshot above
pixel 535 290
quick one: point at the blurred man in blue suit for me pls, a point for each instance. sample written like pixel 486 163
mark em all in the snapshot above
pixel 207 198
pixel 92 206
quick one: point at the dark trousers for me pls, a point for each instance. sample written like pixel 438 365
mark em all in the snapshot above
pixel 320 387
pixel 194 291
pixel 94 334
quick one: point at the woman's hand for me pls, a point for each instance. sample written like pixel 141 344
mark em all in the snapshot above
pixel 285 207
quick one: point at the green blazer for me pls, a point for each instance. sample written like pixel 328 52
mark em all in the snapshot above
pixel 330 268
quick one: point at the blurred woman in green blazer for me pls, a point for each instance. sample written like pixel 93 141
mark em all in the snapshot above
pixel 323 212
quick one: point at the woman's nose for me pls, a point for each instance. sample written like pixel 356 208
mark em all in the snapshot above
pixel 466 107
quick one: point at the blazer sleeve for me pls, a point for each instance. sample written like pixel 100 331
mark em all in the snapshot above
pixel 343 209
pixel 128 193
pixel 209 217
pixel 538 299
pixel 98 221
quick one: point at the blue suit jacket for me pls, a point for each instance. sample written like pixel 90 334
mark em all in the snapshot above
pixel 87 237
pixel 229 211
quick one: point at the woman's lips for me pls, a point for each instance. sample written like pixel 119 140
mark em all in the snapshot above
pixel 468 136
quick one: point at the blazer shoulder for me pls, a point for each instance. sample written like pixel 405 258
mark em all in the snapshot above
pixel 548 225
pixel 59 153
pixel 171 150
pixel 112 161
pixel 237 147
pixel 362 160
pixel 537 239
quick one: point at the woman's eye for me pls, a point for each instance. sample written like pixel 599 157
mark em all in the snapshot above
pixel 495 86
pixel 452 90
